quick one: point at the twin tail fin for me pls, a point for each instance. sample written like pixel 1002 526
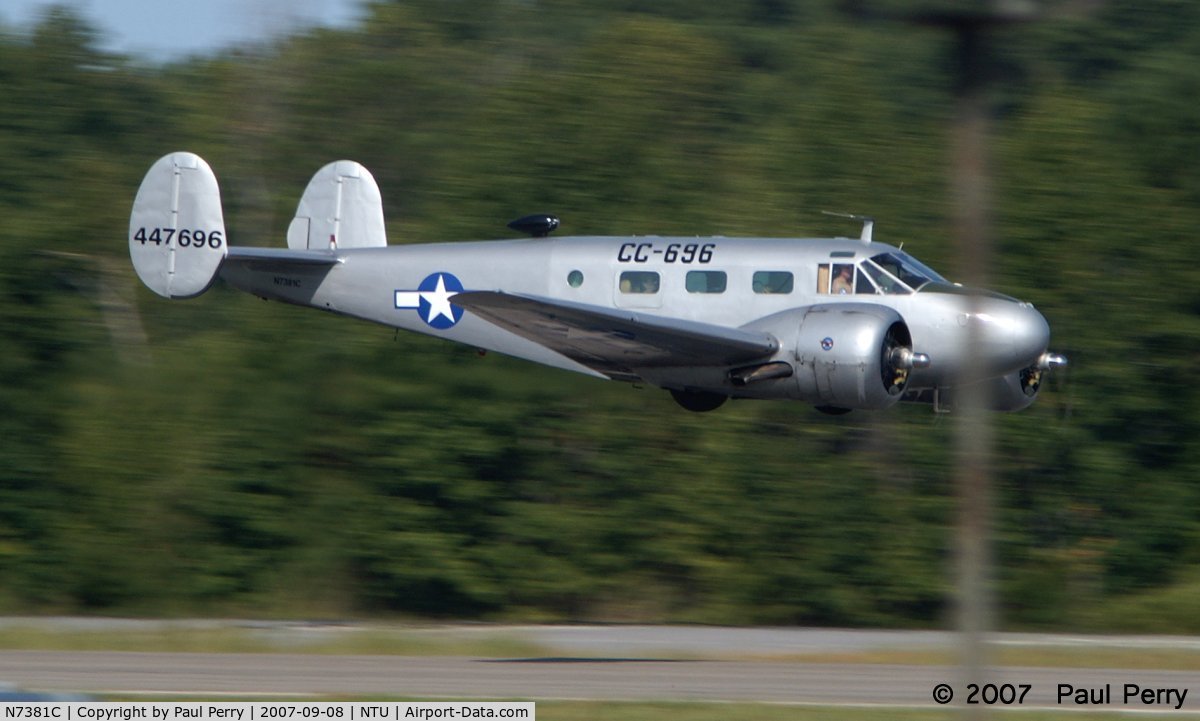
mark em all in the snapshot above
pixel 177 230
pixel 177 239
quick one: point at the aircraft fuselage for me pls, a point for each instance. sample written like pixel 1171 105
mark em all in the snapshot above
pixel 715 280
pixel 836 322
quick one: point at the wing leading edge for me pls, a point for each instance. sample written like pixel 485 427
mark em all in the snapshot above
pixel 616 342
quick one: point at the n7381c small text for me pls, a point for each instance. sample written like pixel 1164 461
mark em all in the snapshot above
pixel 264 711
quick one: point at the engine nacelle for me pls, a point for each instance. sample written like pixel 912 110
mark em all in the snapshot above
pixel 853 356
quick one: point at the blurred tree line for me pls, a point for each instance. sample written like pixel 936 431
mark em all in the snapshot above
pixel 226 455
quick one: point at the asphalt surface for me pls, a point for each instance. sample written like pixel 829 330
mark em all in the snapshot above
pixel 234 675
pixel 622 663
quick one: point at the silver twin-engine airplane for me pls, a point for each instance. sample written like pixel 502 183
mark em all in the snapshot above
pixel 839 323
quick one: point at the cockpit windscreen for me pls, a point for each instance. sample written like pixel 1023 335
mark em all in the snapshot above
pixel 899 273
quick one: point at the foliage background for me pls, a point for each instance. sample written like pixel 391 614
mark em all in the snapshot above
pixel 223 455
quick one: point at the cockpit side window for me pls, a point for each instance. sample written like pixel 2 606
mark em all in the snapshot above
pixel 894 273
pixel 843 279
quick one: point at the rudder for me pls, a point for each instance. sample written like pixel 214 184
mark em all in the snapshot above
pixel 177 229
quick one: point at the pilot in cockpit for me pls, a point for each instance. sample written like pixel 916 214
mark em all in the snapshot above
pixel 843 284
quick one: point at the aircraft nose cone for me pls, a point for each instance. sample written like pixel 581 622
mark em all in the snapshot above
pixel 1013 335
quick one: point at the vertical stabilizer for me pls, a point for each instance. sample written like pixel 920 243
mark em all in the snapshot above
pixel 177 229
pixel 340 208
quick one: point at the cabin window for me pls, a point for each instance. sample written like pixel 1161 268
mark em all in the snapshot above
pixel 642 282
pixel 575 278
pixel 706 281
pixel 773 281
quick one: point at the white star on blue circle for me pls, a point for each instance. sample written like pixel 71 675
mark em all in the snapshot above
pixel 431 300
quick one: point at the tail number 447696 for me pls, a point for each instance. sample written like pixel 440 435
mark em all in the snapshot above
pixel 183 238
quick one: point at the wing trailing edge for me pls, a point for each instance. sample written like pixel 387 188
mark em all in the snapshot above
pixel 616 342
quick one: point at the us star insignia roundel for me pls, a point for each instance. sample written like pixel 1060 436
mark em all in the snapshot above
pixel 431 300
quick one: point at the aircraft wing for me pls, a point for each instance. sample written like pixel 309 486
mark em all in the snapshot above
pixel 613 341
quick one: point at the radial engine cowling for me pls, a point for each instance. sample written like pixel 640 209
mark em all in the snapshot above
pixel 853 356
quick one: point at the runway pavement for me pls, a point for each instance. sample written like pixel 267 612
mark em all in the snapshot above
pixel 622 663
pixel 224 675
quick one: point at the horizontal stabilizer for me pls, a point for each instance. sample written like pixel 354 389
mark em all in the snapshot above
pixel 279 259
pixel 615 341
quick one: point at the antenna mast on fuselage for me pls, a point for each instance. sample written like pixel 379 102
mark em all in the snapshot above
pixel 868 223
